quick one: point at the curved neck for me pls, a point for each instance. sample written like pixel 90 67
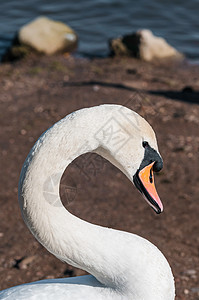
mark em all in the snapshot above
pixel 63 234
pixel 92 248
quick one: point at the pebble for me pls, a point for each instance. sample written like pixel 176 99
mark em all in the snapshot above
pixel 23 131
pixel 26 262
pixel 191 273
pixel 186 292
pixel 96 88
pixel 38 109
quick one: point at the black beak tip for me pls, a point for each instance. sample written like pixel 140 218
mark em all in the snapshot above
pixel 157 209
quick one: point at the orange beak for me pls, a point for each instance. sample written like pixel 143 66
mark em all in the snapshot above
pixel 145 183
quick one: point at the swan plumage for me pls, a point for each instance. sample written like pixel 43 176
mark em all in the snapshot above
pixel 123 265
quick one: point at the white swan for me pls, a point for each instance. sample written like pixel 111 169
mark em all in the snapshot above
pixel 123 265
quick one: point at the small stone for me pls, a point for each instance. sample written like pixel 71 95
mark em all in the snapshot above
pixel 96 88
pixel 38 109
pixel 24 263
pixel 23 132
pixel 166 118
pixel 186 292
pixel 1 234
pixel 190 272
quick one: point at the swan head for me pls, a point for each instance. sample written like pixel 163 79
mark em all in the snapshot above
pixel 137 155
pixel 144 177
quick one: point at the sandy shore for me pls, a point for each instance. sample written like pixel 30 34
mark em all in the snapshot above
pixel 37 92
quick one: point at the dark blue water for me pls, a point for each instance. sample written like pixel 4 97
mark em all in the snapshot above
pixel 96 21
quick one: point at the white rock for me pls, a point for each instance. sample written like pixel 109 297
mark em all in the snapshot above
pixel 152 47
pixel 143 45
pixel 48 36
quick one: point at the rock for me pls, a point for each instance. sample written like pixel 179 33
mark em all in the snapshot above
pixel 26 261
pixel 48 36
pixel 190 272
pixel 186 291
pixel 144 45
pixel 42 35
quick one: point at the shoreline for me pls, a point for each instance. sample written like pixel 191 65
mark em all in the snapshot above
pixel 38 91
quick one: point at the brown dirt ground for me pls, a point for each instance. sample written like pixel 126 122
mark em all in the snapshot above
pixel 37 92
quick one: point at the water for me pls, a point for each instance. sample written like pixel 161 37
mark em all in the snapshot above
pixel 96 21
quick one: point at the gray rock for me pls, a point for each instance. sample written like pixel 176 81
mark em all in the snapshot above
pixel 143 45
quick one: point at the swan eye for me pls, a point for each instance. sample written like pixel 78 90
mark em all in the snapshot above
pixel 145 144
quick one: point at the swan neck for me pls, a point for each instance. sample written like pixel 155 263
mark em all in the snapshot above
pixel 115 258
pixel 66 236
